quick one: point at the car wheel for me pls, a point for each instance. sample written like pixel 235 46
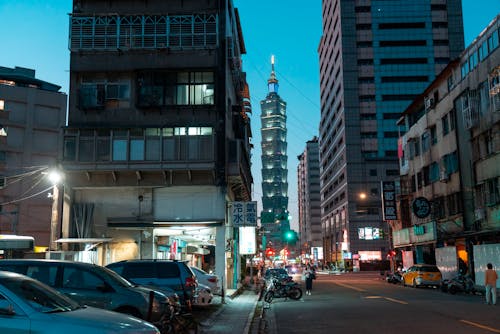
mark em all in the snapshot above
pixel 414 283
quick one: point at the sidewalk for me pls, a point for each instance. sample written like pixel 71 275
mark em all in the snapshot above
pixel 235 316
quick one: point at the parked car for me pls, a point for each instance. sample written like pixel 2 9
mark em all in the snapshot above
pixel 203 295
pixel 422 275
pixel 29 306
pixel 92 285
pixel 212 281
pixel 159 274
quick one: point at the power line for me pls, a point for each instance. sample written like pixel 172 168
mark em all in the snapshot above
pixel 28 197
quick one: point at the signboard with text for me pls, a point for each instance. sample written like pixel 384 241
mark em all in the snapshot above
pixel 389 200
pixel 244 214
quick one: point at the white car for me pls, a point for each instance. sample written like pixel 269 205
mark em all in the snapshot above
pixel 212 281
pixel 28 306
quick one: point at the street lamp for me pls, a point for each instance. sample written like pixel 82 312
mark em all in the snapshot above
pixel 55 177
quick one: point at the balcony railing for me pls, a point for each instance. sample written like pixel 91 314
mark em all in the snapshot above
pixel 113 32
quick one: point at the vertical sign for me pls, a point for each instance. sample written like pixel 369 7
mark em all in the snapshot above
pixel 389 200
pixel 237 214
pixel 247 240
pixel 251 213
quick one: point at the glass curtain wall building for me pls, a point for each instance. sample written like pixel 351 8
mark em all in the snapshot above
pixel 274 216
pixel 375 58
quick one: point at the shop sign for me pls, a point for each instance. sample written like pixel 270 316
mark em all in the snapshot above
pixel 389 200
pixel 244 214
pixel 421 207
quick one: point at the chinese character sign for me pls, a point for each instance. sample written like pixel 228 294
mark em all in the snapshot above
pixel 244 214
pixel 389 200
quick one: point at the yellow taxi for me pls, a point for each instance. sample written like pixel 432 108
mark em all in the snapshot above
pixel 422 275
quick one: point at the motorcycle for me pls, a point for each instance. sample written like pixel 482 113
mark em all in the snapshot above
pixel 460 283
pixel 282 289
pixel 395 277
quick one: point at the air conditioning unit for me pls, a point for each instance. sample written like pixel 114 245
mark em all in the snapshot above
pixel 443 176
pixel 429 103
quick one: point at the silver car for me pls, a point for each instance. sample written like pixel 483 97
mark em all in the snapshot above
pixel 29 306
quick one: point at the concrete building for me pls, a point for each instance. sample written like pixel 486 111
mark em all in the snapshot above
pixel 450 159
pixel 157 143
pixel 274 215
pixel 310 232
pixel 375 58
pixel 32 113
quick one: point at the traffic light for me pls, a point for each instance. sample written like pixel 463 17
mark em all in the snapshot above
pixel 289 236
pixel 270 252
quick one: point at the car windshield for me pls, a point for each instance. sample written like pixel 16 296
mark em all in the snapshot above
pixel 39 296
pixel 115 277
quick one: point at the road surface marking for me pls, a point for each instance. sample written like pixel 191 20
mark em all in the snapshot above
pixel 387 298
pixel 491 329
pixel 350 287
pixel 396 300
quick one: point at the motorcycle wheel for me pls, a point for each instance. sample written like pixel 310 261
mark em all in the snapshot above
pixel 295 293
pixel 268 297
pixel 452 289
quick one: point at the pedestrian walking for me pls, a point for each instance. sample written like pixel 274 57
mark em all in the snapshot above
pixel 490 283
pixel 309 275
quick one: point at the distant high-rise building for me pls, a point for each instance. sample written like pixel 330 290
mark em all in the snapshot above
pixel 375 58
pixel 274 216
pixel 309 198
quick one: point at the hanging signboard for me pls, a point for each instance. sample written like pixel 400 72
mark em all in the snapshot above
pixel 244 214
pixel 389 200
pixel 247 240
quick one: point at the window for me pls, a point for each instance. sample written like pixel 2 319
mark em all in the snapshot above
pixel 75 278
pixel 170 88
pixel 120 145
pixel 493 41
pixel 417 146
pixel 373 172
pixel 69 149
pixel 433 135
pixel 445 125
pixel 425 141
pixel 450 162
pixel 136 144
pixel 86 146
pixel 434 172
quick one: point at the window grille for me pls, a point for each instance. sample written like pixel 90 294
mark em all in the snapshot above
pixel 143 32
pixel 470 110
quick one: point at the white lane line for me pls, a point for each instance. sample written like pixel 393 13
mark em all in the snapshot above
pixel 350 287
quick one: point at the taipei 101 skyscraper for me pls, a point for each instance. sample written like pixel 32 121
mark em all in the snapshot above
pixel 274 216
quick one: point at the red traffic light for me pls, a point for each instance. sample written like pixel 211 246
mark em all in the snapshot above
pixel 270 252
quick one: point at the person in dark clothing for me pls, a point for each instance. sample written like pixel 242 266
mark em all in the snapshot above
pixel 309 275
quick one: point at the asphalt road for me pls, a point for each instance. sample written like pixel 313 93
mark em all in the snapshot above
pixel 364 303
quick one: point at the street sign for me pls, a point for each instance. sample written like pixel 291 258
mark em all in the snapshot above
pixel 244 214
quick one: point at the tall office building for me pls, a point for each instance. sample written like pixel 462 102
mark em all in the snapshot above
pixel 375 58
pixel 274 216
pixel 309 199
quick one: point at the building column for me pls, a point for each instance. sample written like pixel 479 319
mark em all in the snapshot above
pixel 220 254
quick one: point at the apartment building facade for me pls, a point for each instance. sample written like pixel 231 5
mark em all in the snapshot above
pixel 375 58
pixel 157 142
pixel 32 113
pixel 450 159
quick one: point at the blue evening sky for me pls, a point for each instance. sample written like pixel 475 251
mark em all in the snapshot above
pixel 34 34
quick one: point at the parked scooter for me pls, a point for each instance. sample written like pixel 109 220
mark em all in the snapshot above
pixel 460 283
pixel 394 277
pixel 282 289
